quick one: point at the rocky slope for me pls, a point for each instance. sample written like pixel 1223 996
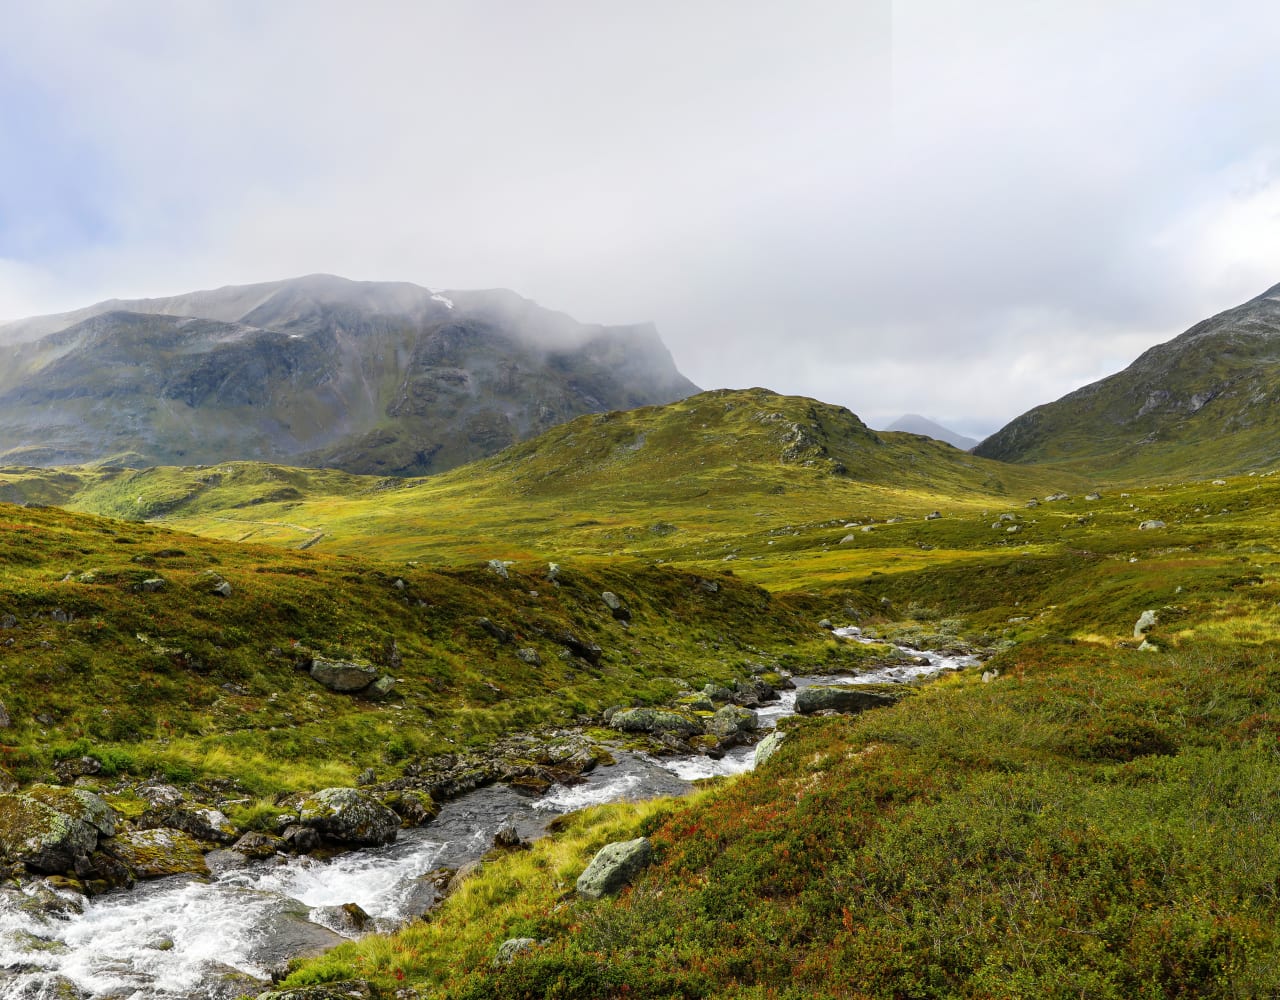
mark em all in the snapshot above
pixel 371 377
pixel 1203 403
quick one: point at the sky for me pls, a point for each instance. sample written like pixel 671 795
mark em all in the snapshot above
pixel 957 210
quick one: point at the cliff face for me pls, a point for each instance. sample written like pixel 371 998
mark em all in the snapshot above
pixel 368 377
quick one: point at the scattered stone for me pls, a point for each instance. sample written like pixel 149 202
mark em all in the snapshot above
pixel 1219 482
pixel 78 803
pixel 1033 503
pixel 222 588
pixel 379 689
pixel 709 586
pixel 529 655
pixel 300 839
pixel 508 837
pixel 399 584
pixel 1151 525
pixel 5 720
pixel 933 516
pixel 258 845
pixel 616 606
pixel 753 691
pixel 8 621
pixel 414 807
pixel 844 541
pixel 842 699
pixel 1146 622
pixel 717 693
pixel 826 623
pixel 989 675
pixel 589 651
pixel 349 815
pixel 553 572
pixel 767 746
pixel 349 989
pixel 158 795
pixel 366 778
pixel 1148 647
pixel 513 948
pixel 151 585
pixel 1055 497
pixel 1093 496
pixel 614 867
pixel 343 676
pixel 499 567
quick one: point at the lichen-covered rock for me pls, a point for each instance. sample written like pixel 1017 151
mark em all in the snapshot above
pixel 415 808
pixel 513 948
pixel 838 699
pixel 350 816
pixel 753 691
pixel 257 845
pixel 768 746
pixel 42 837
pixel 731 720
pixel 343 676
pixel 348 989
pixel 156 853
pixel 718 693
pixel 379 689
pixel 613 867
pixel 202 822
pixel 78 803
pixel 653 721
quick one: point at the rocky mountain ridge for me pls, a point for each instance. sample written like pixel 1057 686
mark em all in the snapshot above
pixel 1204 402
pixel 370 377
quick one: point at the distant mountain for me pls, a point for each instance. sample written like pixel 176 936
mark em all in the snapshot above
pixel 913 423
pixel 1207 402
pixel 370 377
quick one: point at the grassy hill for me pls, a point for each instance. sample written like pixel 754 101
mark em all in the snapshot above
pixel 1203 404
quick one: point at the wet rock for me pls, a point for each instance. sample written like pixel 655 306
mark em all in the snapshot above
pixel 414 807
pixel 653 721
pixel 508 837
pixel 731 720
pixel 258 845
pixel 156 853
pixel 768 746
pixel 513 948
pixel 1145 623
pixel 350 920
pixel 343 676
pixel 286 934
pixel 101 873
pixel 350 816
pixel 41 837
pixel 300 839
pixel 614 867
pixel 223 860
pixel 616 606
pixel 838 699
pixel 753 691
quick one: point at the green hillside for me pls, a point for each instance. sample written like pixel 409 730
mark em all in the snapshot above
pixel 1203 404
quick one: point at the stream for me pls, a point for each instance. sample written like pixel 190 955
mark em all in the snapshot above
pixel 184 937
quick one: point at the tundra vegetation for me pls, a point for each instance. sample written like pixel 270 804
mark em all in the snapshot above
pixel 1094 813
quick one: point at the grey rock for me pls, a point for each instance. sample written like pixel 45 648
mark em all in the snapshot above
pixel 151 585
pixel 718 693
pixel 553 572
pixel 5 720
pixel 41 837
pixel 768 746
pixel 508 837
pixel 8 621
pixel 343 676
pixel 826 623
pixel 367 777
pixel 933 516
pixel 1151 525
pixel 653 721
pixel 78 803
pixel 348 919
pixel 839 699
pixel 258 845
pixel 616 606
pixel 499 567
pixel 730 720
pixel 300 839
pixel 529 655
pixel 202 822
pixel 156 853
pixel 589 651
pixel 512 948
pixel 1146 621
pixel 350 816
pixel 497 631
pixel 379 689
pixel 613 867
pixel 158 795
pixel 222 589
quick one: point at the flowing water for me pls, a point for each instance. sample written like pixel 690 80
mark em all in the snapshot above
pixel 183 937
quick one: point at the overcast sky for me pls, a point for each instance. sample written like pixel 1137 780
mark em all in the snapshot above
pixel 954 209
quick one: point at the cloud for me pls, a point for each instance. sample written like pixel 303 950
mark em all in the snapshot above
pixel 959 211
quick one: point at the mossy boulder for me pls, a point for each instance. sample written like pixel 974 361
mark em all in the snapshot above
pixel 768 746
pixel 41 837
pixel 156 853
pixel 613 867
pixel 731 720
pixel 350 816
pixel 839 699
pixel 343 676
pixel 78 803
pixel 654 721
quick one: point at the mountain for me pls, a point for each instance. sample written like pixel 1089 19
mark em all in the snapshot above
pixel 369 377
pixel 1205 403
pixel 913 423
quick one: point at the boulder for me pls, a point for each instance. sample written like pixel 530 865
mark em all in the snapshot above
pixel 529 655
pixel 151 585
pixel 258 846
pixel 613 867
pixel 933 516
pixel 156 853
pixel 222 589
pixel 1145 623
pixel 617 608
pixel 350 816
pixel 349 919
pixel 512 948
pixel 1151 525
pixel 767 747
pixel 589 651
pixel 508 837
pixel 838 699
pixel 41 837
pixel 79 803
pixel 379 689
pixel 730 720
pixel 415 808
pixel 718 693
pixel 348 989
pixel 653 721
pixel 8 621
pixel 753 691
pixel 202 822
pixel 343 676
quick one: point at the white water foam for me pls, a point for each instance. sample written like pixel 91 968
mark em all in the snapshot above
pixel 567 798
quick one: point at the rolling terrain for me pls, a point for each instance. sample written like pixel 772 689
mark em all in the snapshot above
pixel 1205 403
pixel 370 377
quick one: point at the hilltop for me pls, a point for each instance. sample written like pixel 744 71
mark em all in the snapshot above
pixel 913 423
pixel 370 377
pixel 1205 403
